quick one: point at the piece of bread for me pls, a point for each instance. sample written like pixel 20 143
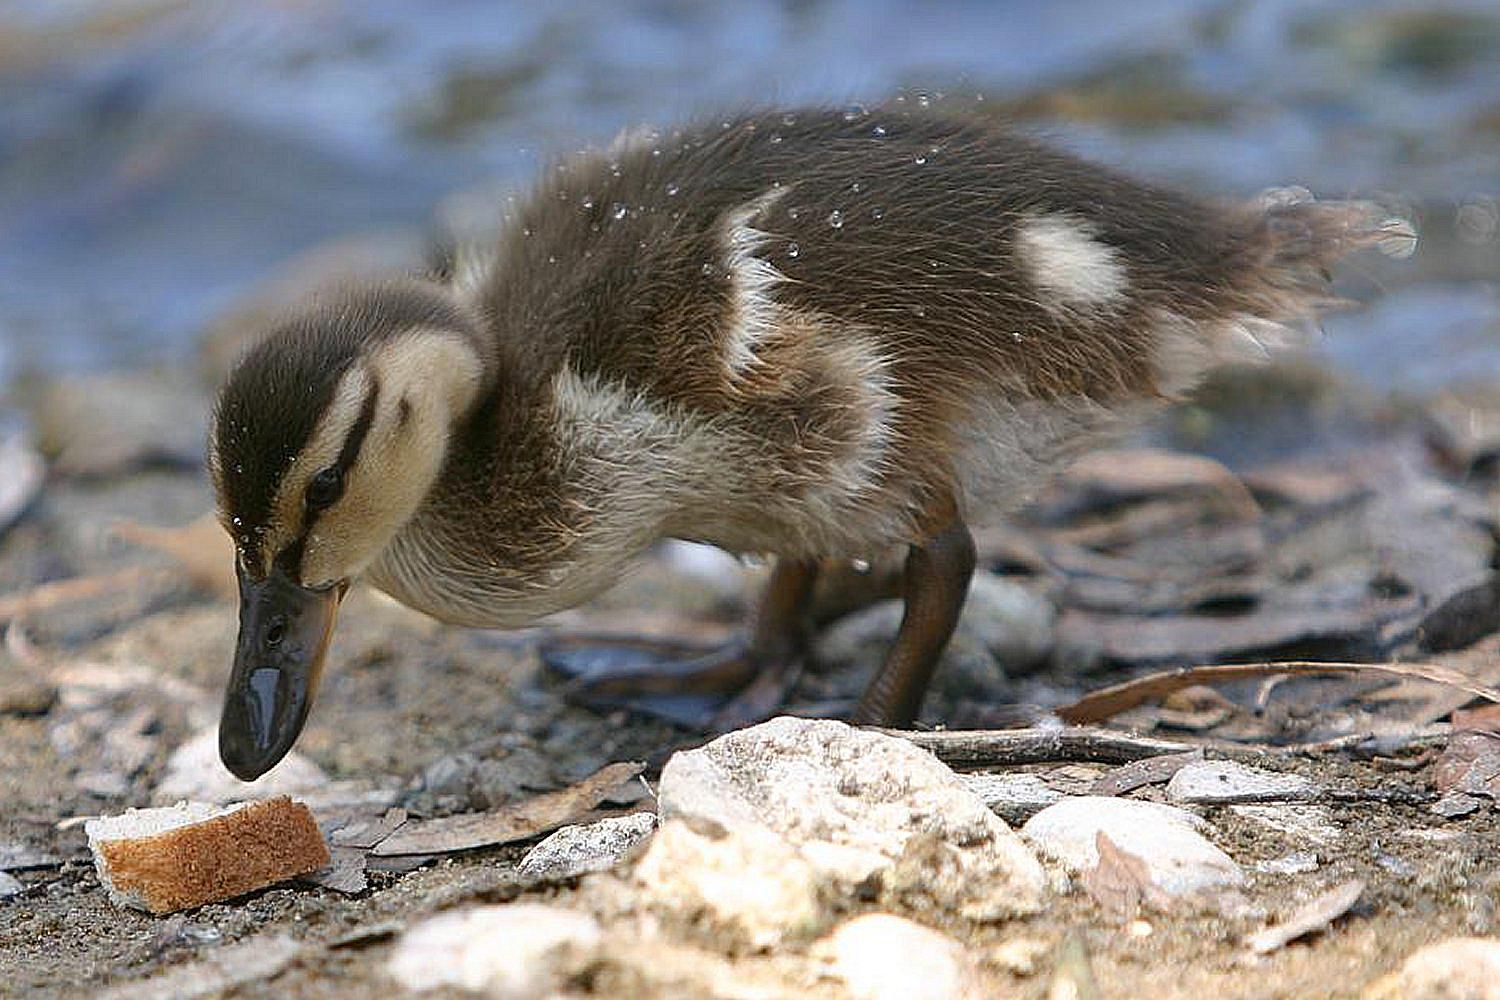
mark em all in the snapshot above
pixel 191 853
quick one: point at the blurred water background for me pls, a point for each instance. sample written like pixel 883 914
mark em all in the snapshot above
pixel 159 158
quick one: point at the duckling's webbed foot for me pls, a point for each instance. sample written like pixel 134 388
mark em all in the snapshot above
pixel 937 582
pixel 710 688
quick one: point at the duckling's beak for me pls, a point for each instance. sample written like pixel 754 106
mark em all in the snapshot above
pixel 284 633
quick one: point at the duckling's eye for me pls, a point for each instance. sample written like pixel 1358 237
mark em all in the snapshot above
pixel 324 489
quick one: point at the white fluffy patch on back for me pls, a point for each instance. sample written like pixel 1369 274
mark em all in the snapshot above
pixel 1185 351
pixel 1062 256
pixel 752 277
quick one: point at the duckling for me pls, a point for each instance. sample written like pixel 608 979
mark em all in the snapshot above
pixel 810 335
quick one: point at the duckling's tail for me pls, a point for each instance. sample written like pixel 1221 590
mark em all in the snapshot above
pixel 1301 237
pixel 1278 282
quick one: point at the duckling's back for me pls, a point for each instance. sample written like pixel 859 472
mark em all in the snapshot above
pixel 832 319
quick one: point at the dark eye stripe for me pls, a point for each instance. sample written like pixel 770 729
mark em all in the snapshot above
pixel 352 444
pixel 356 438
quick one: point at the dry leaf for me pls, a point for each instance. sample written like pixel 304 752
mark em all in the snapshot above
pixel 1314 916
pixel 1470 763
pixel 517 821
pixel 1121 881
pixel 201 548
pixel 1151 771
pixel 1099 705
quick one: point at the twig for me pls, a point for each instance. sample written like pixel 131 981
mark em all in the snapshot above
pixel 1003 747
pixel 79 588
pixel 1107 702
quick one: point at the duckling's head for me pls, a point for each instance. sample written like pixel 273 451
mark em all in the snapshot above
pixel 326 438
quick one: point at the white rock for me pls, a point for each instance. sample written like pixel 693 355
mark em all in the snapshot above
pixel 1296 863
pixel 195 772
pixel 1215 781
pixel 880 956
pixel 1179 858
pixel 1305 822
pixel 1455 969
pixel 516 952
pixel 747 880
pixel 851 800
pixel 1014 797
pixel 595 847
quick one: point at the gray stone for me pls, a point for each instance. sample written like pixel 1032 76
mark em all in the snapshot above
pixel 9 886
pixel 1015 798
pixel 1180 859
pixel 233 965
pixel 1213 782
pixel 880 956
pixel 515 952
pixel 578 850
pixel 850 800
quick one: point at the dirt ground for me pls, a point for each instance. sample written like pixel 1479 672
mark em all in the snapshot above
pixel 98 690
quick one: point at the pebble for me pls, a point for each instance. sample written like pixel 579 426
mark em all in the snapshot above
pixel 1455 969
pixel 22 473
pixel 880 956
pixel 1212 782
pixel 595 847
pixel 851 800
pixel 1180 859
pixel 1295 863
pixel 516 952
pixel 752 884
pixel 9 886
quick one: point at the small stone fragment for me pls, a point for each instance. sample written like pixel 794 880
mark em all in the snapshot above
pixel 14 857
pixel 1181 860
pixel 880 956
pixel 344 873
pixel 1020 956
pixel 851 800
pixel 1213 782
pixel 748 881
pixel 9 886
pixel 1455 969
pixel 189 854
pixel 517 952
pixel 1295 863
pixel 578 850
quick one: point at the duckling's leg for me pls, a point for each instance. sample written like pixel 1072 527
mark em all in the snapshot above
pixel 937 582
pixel 689 684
